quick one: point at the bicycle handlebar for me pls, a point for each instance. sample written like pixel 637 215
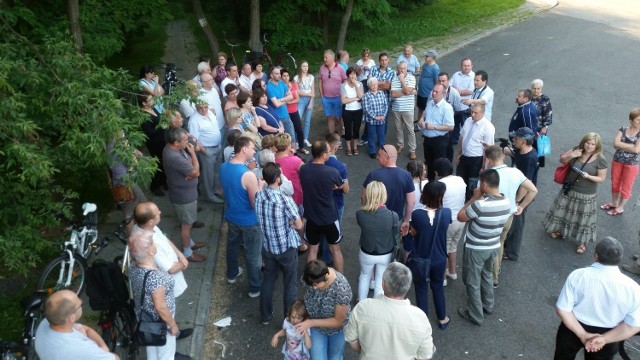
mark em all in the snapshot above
pixel 224 33
pixel 117 233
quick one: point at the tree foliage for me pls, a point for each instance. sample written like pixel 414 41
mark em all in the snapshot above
pixel 59 110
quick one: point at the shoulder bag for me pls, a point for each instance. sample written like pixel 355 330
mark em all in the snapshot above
pixel 421 266
pixel 561 172
pixel 150 332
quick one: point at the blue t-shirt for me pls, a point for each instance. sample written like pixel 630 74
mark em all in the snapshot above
pixel 398 183
pixel 318 181
pixel 237 207
pixel 277 91
pixel 528 164
pixel 428 76
pixel 338 195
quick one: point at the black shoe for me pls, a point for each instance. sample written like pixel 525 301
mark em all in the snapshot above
pixel 464 313
pixel 158 192
pixel 198 225
pixel 373 156
pixel 184 333
pixel 179 356
pixel 495 285
pixel 200 208
pixel 487 311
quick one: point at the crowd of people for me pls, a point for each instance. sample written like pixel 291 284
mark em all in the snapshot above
pixel 242 140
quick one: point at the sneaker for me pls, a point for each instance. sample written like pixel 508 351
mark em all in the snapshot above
pixel 444 283
pixel 233 281
pixel 362 142
pixel 307 143
pixel 254 294
pixel 340 145
pixel 372 284
pixel 453 276
pixel 495 285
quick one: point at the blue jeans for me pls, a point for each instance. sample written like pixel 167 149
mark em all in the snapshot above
pixel 376 132
pixel 305 114
pixel 435 281
pixel 287 264
pixel 251 239
pixel 326 347
pixel 288 128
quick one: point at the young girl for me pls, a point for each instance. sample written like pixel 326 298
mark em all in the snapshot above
pixel 306 91
pixel 290 165
pixel 296 346
pixel 418 172
pixel 292 109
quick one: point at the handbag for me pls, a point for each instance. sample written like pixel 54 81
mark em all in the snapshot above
pixel 561 172
pixel 122 194
pixel 149 332
pixel 544 146
pixel 421 267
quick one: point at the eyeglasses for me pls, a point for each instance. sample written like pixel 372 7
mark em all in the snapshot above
pixel 329 74
pixel 78 308
pixel 385 150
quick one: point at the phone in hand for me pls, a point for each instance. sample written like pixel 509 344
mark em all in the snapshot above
pixel 578 170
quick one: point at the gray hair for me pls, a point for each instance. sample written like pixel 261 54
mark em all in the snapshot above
pixel 481 107
pixel 609 251
pixel 371 81
pixel 265 157
pixel 139 243
pixel 175 135
pixel 538 82
pixel 203 66
pixel 397 279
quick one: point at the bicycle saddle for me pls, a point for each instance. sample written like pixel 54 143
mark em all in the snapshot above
pixel 88 208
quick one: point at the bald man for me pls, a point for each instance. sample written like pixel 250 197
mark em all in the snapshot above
pixel 61 337
pixel 399 184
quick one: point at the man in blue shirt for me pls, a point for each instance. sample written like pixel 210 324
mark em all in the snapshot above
pixel 278 94
pixel 428 79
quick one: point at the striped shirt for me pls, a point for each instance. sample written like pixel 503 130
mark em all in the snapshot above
pixel 375 105
pixel 275 211
pixel 406 102
pixel 600 295
pixel 488 216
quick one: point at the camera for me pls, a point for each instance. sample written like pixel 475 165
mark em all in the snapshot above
pixel 567 186
pixel 503 142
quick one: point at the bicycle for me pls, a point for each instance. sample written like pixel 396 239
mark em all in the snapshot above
pixel 284 59
pixel 69 270
pixel 33 314
pixel 232 57
pixel 6 350
pixel 118 320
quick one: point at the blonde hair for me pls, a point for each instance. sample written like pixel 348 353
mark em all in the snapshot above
pixel 595 137
pixel 634 114
pixel 268 141
pixel 283 141
pixel 232 116
pixel 374 194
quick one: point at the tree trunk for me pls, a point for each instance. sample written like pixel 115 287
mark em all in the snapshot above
pixel 254 30
pixel 344 24
pixel 325 28
pixel 73 12
pixel 202 20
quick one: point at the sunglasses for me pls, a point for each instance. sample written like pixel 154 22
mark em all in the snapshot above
pixel 385 150
pixel 329 74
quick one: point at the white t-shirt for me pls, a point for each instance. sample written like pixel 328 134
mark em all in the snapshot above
pixel 418 193
pixel 365 71
pixel 351 93
pixel 454 196
pixel 54 345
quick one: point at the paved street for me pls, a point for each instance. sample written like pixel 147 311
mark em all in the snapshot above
pixel 587 66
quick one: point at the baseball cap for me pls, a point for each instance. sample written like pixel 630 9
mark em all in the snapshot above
pixel 432 53
pixel 524 133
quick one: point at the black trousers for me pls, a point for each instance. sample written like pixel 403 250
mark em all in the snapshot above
pixel 568 345
pixel 434 149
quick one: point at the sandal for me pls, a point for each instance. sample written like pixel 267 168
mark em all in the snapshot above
pixel 581 249
pixel 607 206
pixel 556 234
pixel 355 152
pixel 348 152
pixel 614 212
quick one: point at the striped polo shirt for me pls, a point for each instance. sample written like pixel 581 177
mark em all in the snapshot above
pixel 406 102
pixel 488 216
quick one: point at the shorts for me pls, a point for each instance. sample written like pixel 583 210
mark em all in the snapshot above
pixel 187 213
pixel 314 233
pixel 332 106
pixel 422 103
pixel 454 233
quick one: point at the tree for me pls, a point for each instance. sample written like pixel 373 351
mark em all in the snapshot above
pixel 206 28
pixel 73 12
pixel 254 30
pixel 344 24
pixel 59 110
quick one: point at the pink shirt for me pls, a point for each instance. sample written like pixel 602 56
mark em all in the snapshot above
pixel 290 165
pixel 332 79
pixel 293 88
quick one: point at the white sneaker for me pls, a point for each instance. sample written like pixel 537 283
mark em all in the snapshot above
pixel 307 143
pixel 444 283
pixel 362 142
pixel 372 284
pixel 233 281
pixel 254 294
pixel 453 276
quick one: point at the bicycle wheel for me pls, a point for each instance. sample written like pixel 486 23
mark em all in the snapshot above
pixel 288 62
pixel 630 348
pixel 51 281
pixel 118 334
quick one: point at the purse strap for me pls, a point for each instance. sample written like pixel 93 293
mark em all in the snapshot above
pixel 144 291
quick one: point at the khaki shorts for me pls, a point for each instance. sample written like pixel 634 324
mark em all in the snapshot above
pixel 187 213
pixel 454 233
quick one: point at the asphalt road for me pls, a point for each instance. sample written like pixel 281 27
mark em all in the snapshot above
pixel 588 69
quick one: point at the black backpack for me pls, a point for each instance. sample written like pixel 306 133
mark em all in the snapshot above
pixel 106 286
